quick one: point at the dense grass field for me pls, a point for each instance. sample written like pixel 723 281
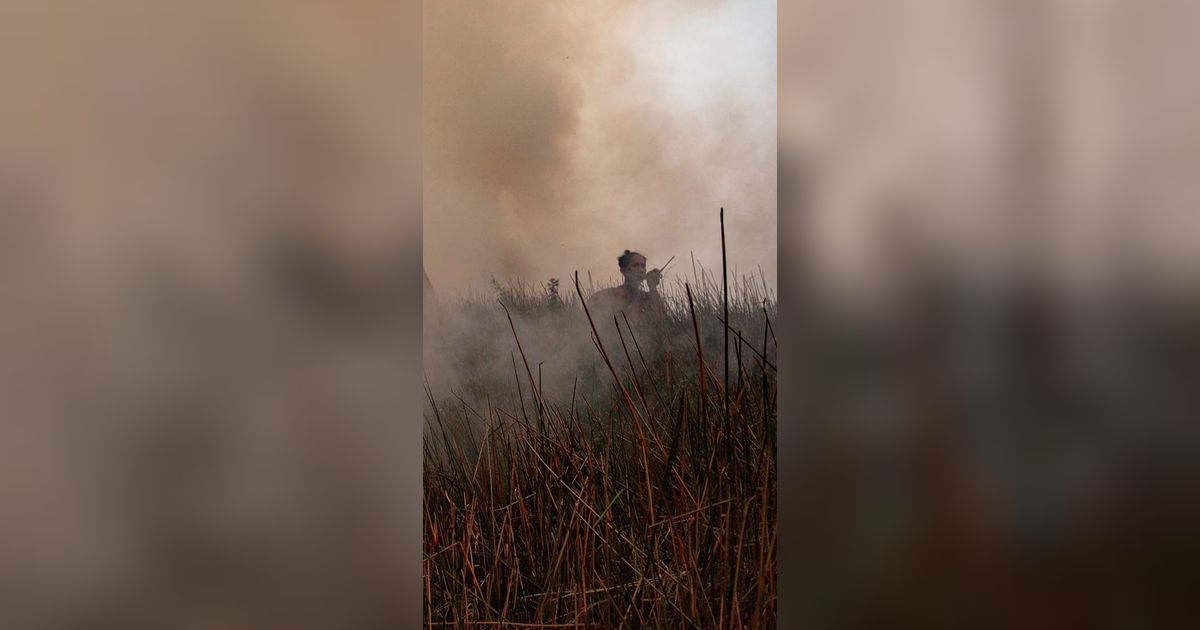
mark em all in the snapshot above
pixel 589 472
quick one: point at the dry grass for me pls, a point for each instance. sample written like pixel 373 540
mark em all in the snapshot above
pixel 648 506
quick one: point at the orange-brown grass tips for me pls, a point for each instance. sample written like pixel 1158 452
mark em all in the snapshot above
pixel 579 471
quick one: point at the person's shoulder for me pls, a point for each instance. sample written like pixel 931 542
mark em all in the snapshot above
pixel 606 293
pixel 607 297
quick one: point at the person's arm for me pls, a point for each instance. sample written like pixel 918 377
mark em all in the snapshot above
pixel 654 299
pixel 653 277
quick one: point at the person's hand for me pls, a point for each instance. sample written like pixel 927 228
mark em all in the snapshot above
pixel 653 277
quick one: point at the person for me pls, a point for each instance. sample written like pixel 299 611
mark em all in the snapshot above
pixel 629 297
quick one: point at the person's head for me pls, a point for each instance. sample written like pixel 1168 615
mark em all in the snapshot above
pixel 633 267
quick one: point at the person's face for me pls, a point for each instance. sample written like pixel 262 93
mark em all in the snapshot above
pixel 636 270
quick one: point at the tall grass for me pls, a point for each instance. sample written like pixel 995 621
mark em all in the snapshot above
pixel 635 501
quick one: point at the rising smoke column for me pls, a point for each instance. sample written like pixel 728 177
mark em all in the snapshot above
pixel 558 135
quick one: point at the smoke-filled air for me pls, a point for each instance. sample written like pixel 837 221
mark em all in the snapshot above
pixel 599 353
pixel 558 135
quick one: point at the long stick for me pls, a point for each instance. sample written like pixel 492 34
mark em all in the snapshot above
pixel 725 294
pixel 699 352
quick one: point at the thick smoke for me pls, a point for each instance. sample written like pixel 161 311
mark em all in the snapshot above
pixel 991 139
pixel 559 134
pixel 206 210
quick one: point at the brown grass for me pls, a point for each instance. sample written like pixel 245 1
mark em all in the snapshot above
pixel 648 507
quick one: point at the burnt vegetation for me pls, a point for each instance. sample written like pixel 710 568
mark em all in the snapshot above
pixel 588 473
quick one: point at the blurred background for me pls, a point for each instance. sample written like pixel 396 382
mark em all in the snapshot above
pixel 211 233
pixel 990 264
pixel 209 337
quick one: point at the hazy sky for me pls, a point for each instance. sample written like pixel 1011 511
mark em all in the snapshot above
pixel 559 134
pixel 992 138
